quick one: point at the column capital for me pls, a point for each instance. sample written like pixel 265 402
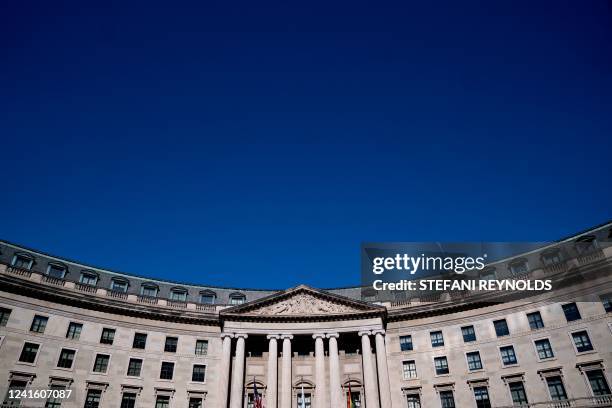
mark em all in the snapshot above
pixel 364 333
pixel 241 335
pixel 224 335
pixel 286 336
pixel 379 331
pixel 318 336
pixel 332 335
pixel 273 336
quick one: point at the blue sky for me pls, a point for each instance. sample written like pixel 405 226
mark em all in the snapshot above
pixel 243 144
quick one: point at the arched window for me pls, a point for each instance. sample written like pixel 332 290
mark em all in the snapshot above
pixel 237 298
pixel 56 270
pixel 178 294
pixel 208 297
pixel 119 285
pixel 23 261
pixel 88 278
pixel 149 289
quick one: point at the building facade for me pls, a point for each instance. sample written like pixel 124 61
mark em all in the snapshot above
pixel 118 340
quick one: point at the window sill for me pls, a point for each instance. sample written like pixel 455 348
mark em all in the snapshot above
pixel 510 365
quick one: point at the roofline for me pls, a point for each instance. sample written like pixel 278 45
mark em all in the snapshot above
pixel 212 287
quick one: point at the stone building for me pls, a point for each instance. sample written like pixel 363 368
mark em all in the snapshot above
pixel 119 340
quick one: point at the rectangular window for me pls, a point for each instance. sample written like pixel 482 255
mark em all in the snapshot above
pixel 598 382
pixel 54 402
pixel 178 296
pixel 28 353
pixel 571 312
pixel 108 336
pixel 56 271
pixel 140 341
pixel 414 400
pixel 14 385
pixel 207 299
pixel 199 373
pixel 195 402
pixel 201 347
pixel 4 316
pixel 473 360
pixel 508 356
pixel 406 343
pixel 128 400
pixel 535 320
pixel 119 286
pixel 606 301
pixel 74 331
pixel 149 291
pixel 39 324
pixel 170 345
pixel 88 279
pixel 481 394
pixel 303 401
pixel 101 363
pixel 93 399
pixel 66 358
pixel 437 340
pixel 167 370
pixel 134 367
pixel 468 334
pixel 409 369
pixel 582 341
pixel 446 399
pixel 441 365
pixel 517 392
pixel 501 327
pixel 544 349
pixel 556 388
pixel 22 262
pixel 162 401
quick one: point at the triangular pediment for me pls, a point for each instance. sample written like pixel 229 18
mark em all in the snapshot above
pixel 302 302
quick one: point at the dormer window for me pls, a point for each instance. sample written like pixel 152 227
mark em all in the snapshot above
pixel 119 285
pixel 237 299
pixel 88 278
pixel 56 271
pixel 519 266
pixel 586 244
pixel 208 297
pixel 22 261
pixel 488 274
pixel 552 257
pixel 149 290
pixel 178 294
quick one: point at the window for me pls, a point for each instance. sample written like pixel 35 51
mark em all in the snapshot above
pixel 162 401
pixel 148 290
pixel 66 358
pixel 178 295
pixel 22 261
pixel 56 271
pixel 481 394
pixel 518 267
pixel 446 399
pixel 501 327
pixel 535 320
pixel 195 402
pixel 93 399
pixel 134 367
pixel 201 347
pixel 4 316
pixel 488 274
pixel 409 369
pixel 88 279
pixel 303 400
pixel 39 324
pixel 167 370
pixel 128 400
pixel 108 336
pixel 441 365
pixel 551 257
pixel 237 299
pixel 437 340
pixel 119 285
pixel 414 400
pixel 140 341
pixel 582 341
pixel 473 360
pixel 586 244
pixel 508 356
pixel 406 343
pixel 571 312
pixel 606 300
pixel 199 373
pixel 28 353
pixel 517 392
pixel 468 334
pixel 556 388
pixel 208 298
pixel 74 331
pixel 54 402
pixel 13 385
pixel 598 382
pixel 101 363
pixel 170 345
pixel 544 349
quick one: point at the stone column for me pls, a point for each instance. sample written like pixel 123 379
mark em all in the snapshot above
pixel 238 374
pixel 226 361
pixel 321 394
pixel 335 387
pixel 286 379
pixel 272 393
pixel 383 370
pixel 368 373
